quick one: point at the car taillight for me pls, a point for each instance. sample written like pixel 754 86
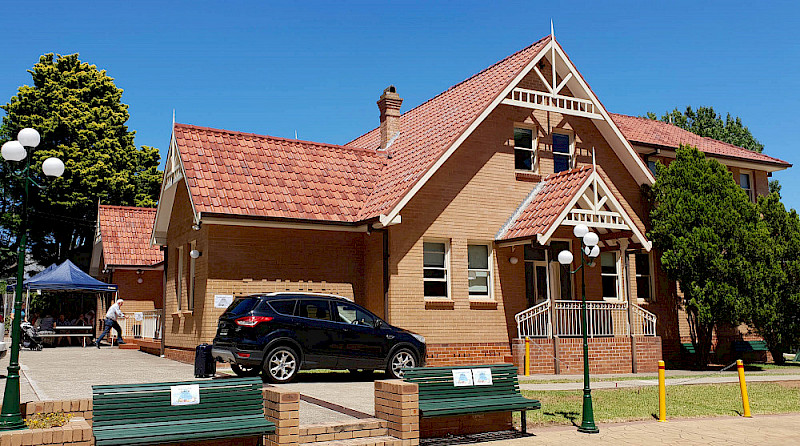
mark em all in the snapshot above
pixel 252 321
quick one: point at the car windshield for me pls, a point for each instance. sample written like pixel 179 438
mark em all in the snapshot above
pixel 241 305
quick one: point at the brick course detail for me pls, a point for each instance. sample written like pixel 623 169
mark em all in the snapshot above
pixel 454 354
pixel 606 355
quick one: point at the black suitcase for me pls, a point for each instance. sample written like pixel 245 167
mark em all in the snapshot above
pixel 204 364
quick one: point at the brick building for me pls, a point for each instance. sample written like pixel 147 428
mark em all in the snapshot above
pixel 123 255
pixel 445 219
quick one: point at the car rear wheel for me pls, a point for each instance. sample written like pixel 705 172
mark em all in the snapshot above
pixel 245 371
pixel 400 359
pixel 281 365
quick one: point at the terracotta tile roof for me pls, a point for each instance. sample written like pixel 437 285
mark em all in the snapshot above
pixel 125 232
pixel 648 131
pixel 428 130
pixel 253 175
pixel 546 202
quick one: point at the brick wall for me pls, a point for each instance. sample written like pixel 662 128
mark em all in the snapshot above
pixel 454 354
pixel 282 407
pixel 338 430
pixel 78 408
pixel 439 427
pixel 397 402
pixel 147 295
pixel 74 433
pixel 606 355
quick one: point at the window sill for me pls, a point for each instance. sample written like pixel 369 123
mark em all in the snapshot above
pixel 482 303
pixel 187 313
pixel 175 314
pixel 523 175
pixel 439 303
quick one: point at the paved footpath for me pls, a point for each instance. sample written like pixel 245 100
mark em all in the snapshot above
pixel 760 430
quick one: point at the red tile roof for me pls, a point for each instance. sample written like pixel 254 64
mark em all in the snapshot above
pixel 125 233
pixel 651 132
pixel 263 176
pixel 540 211
pixel 428 130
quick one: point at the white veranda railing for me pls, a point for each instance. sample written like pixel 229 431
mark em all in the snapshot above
pixel 602 319
pixel 142 324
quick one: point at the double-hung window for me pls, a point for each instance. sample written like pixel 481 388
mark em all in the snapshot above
pixel 644 280
pixel 524 149
pixel 435 269
pixel 745 181
pixel 562 155
pixel 179 277
pixel 479 270
pixel 610 275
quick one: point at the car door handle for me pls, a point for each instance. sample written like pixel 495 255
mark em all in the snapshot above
pixel 388 336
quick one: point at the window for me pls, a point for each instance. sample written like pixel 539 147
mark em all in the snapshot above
pixel 535 275
pixel 610 275
pixel 745 182
pixel 651 165
pixel 314 309
pixel 561 152
pixel 479 269
pixel 435 269
pixel 285 307
pixel 644 283
pixel 192 261
pixel 565 278
pixel 524 149
pixel 179 277
pixel 350 314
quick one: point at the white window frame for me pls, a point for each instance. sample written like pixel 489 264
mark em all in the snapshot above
pixel 179 277
pixel 617 268
pixel 447 270
pixel 192 267
pixel 532 149
pixel 750 192
pixel 490 276
pixel 571 157
pixel 650 276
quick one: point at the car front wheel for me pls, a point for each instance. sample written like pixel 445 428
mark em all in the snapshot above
pixel 403 358
pixel 281 365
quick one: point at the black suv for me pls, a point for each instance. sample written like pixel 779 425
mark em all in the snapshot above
pixel 280 333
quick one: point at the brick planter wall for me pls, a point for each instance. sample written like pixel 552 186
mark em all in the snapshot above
pixel 282 407
pixel 78 408
pixel 75 433
pixel 455 354
pixel 397 402
pixel 439 427
pixel 606 355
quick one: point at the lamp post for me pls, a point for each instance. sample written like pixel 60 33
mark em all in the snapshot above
pixel 589 249
pixel 16 151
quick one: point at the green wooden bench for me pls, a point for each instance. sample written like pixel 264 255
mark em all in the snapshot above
pixel 138 414
pixel 438 395
pixel 749 346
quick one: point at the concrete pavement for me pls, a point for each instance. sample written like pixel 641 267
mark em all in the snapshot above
pixel 759 430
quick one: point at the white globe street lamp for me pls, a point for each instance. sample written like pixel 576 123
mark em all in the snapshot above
pixel 591 239
pixel 565 257
pixel 10 418
pixel 580 230
pixel 13 151
pixel 53 167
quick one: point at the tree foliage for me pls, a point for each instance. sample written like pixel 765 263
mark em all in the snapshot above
pixel 772 306
pixel 707 230
pixel 704 121
pixel 78 112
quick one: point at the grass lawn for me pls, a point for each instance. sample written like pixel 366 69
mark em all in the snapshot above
pixel 628 404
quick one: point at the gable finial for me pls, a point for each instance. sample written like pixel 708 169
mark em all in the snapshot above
pixel 173 117
pixel 552 32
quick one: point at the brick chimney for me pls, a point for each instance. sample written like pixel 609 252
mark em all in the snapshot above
pixel 389 104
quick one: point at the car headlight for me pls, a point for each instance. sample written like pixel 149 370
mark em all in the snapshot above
pixel 419 338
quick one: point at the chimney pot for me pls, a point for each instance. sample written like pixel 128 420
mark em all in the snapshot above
pixel 389 105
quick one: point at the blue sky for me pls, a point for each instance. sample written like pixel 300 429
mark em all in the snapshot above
pixel 317 68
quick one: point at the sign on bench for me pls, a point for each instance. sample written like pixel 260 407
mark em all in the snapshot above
pixel 472 377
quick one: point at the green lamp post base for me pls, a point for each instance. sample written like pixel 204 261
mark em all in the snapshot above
pixel 587 423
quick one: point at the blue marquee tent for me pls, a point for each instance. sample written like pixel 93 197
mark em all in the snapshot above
pixel 66 277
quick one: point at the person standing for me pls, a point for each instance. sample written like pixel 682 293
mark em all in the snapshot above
pixel 112 314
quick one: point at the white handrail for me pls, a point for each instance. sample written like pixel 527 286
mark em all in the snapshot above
pixel 535 321
pixel 603 319
pixel 148 328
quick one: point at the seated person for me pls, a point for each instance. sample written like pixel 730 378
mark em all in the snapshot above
pixel 62 322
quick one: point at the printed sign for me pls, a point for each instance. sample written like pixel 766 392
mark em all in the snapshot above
pixel 138 316
pixel 482 377
pixel 185 395
pixel 222 300
pixel 462 377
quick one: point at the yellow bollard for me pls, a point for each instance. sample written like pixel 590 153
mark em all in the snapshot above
pixel 527 357
pixel 662 393
pixel 743 387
